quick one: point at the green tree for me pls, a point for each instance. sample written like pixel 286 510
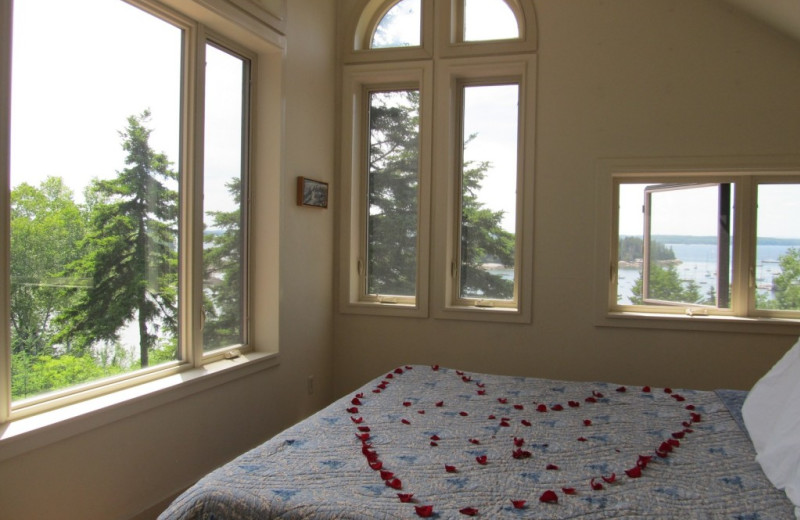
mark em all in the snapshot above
pixel 393 209
pixel 46 225
pixel 482 239
pixel 222 264
pixel 129 252
pixel 666 285
pixel 787 284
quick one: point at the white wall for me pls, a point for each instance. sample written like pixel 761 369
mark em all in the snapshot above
pixel 127 468
pixel 616 78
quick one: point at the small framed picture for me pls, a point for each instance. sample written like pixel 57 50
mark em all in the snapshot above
pixel 312 193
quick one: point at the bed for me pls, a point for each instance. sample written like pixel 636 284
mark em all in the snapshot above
pixel 437 442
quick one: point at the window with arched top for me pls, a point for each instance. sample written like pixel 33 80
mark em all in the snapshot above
pixel 486 20
pixel 399 27
pixel 444 86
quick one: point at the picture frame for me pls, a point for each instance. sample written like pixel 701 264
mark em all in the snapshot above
pixel 312 193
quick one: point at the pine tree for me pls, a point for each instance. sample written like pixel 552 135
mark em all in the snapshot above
pixel 129 252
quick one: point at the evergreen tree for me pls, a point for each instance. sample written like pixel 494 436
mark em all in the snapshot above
pixel 393 209
pixel 129 252
pixel 222 265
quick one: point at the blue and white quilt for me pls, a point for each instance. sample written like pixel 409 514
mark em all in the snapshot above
pixel 431 442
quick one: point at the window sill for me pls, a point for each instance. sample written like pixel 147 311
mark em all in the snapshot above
pixel 699 323
pixel 385 309
pixel 29 433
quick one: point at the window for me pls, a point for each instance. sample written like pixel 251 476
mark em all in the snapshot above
pixel 503 24
pixel 399 27
pixel 488 187
pixel 463 214
pixel 707 245
pixel 104 190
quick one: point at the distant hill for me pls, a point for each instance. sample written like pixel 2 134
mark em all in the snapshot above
pixel 711 240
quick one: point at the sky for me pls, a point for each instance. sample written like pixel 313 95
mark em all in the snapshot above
pixel 76 81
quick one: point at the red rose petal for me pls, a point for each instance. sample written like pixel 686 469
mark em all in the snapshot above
pixel 469 511
pixel 394 483
pixel 634 472
pixel 518 442
pixel 481 392
pixel 519 453
pixel 587 422
pixel 646 389
pixel 643 461
pixel 549 497
pixel 482 459
pixel 386 475
pixel 474 441
pixel 352 410
pixel 435 367
pixel 611 479
pixel 421 412
pixel 597 486
pixel 463 414
pixel 574 404
pixel 435 438
pixel 690 407
pixel 449 469
pixel 424 511
pixel 551 467
pixel 357 420
pixel 440 404
pixel 502 400
pixel 568 490
pixel 519 407
pixel 591 399
pixel 375 464
pixel 518 504
pixel 363 428
pixel 541 408
pixel 526 423
pixel 434 443
pixel 405 497
pixel 582 439
pixel 405 421
pixel 398 371
pixel 622 389
pixel 406 403
pixel 597 394
pixel 356 401
pixel 557 407
pixel 696 417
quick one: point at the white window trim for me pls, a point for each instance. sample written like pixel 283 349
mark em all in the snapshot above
pixel 450 75
pixel 41 422
pixel 357 80
pixel 609 314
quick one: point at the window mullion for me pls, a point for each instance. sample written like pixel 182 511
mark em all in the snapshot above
pixel 5 231
pixel 744 240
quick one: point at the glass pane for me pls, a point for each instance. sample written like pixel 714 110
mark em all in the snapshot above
pixel 489 192
pixel 94 190
pixel 225 113
pixel 489 20
pixel 392 192
pixel 399 27
pixel 690 245
pixel 778 247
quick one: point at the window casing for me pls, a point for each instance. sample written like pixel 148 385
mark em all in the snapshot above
pixel 193 169
pixel 458 66
pixel 710 244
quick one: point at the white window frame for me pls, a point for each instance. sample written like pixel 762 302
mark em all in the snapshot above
pixel 442 55
pixel 451 76
pixel 359 81
pixel 744 174
pixel 196 368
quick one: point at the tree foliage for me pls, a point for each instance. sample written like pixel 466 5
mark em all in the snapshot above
pixel 129 252
pixel 222 264
pixel 393 209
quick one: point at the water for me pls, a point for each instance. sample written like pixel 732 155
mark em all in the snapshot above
pixel 699 264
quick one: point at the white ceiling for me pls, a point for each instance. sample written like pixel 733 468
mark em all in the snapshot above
pixel 784 15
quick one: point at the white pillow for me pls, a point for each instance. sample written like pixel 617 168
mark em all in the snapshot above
pixel 771 414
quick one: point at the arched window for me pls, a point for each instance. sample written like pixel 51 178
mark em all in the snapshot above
pixel 489 20
pixel 464 239
pixel 399 27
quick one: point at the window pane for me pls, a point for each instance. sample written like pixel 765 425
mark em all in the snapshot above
pixel 489 192
pixel 778 247
pixel 489 20
pixel 392 193
pixel 224 162
pixel 399 27
pixel 94 189
pixel 690 245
